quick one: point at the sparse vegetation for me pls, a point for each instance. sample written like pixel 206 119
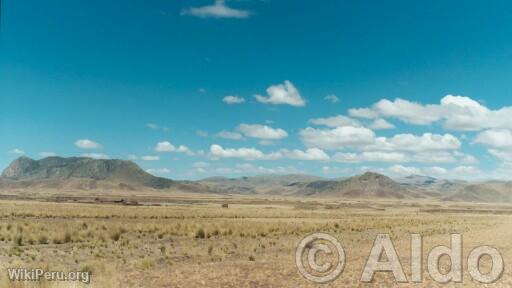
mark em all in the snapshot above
pixel 140 242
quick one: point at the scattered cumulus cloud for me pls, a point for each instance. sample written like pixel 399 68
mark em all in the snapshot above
pixel 399 170
pixel 332 98
pixel 458 113
pixel 17 151
pixel 266 142
pixel 152 126
pixel 150 158
pixel 365 113
pixel 229 135
pixel 247 169
pixel 381 124
pixel 495 138
pixel 375 156
pixel 216 152
pixel 217 10
pixel 166 146
pixel 47 154
pixel 233 100
pixel 337 138
pixel 282 94
pixel 498 143
pixel 262 131
pixel 87 144
pixel 311 154
pixel 416 143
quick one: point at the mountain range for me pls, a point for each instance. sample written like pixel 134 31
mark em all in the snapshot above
pixel 82 173
pixel 87 174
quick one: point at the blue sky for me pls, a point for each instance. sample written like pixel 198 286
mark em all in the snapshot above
pixel 105 79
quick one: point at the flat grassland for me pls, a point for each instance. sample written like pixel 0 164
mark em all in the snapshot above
pixel 248 244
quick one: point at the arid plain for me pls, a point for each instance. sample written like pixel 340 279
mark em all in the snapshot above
pixel 192 241
pixel 127 228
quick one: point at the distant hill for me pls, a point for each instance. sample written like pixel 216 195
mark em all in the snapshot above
pixel 487 192
pixel 58 174
pixel 431 186
pixel 84 173
pixel 261 184
pixel 367 186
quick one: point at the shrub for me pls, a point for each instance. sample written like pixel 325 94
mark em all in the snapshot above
pixel 200 234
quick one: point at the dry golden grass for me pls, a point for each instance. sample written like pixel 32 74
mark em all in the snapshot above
pixel 205 245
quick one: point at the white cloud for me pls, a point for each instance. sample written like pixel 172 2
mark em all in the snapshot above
pixel 365 113
pixel 308 155
pixel 435 171
pixel 466 172
pixel 468 160
pixel 408 111
pixel 503 155
pixel 495 138
pixel 338 138
pixel 166 146
pixel 230 135
pixel 17 151
pixel 250 168
pixel 262 131
pixel 499 145
pixel 218 10
pixel 150 158
pixel 233 100
pixel 96 155
pixel 47 154
pixel 399 170
pixel 335 121
pixel 381 124
pixel 364 146
pixel 266 142
pixel 216 151
pixel 332 98
pixel 311 154
pixel 87 144
pixel 453 112
pixel 434 157
pixel 374 156
pixel 247 168
pixel 158 171
pixel 152 126
pixel 410 142
pixel 282 94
